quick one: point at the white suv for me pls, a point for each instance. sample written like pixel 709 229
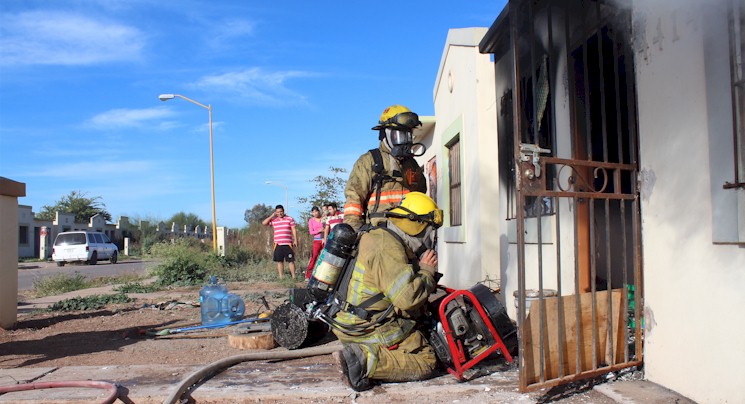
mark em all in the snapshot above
pixel 84 246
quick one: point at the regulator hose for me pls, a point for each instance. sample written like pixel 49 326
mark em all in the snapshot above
pixel 112 388
pixel 216 367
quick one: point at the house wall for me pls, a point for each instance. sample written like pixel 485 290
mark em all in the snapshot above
pixel 9 192
pixel 26 220
pixel 693 287
pixel 464 104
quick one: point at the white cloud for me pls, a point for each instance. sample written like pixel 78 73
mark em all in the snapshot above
pixel 96 170
pixel 227 31
pixel 61 38
pixel 255 85
pixel 128 118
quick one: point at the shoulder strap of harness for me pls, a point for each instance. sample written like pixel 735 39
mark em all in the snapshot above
pixel 379 176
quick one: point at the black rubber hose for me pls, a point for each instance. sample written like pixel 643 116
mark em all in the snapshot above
pixel 214 368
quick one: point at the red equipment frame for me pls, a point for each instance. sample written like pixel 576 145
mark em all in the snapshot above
pixel 456 349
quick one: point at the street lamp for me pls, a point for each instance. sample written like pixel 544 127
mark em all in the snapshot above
pixel 287 199
pixel 166 97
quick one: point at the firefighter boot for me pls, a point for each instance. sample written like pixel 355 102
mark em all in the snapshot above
pixel 353 362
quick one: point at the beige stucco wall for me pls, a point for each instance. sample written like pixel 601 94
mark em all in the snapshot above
pixel 464 104
pixel 26 218
pixel 693 287
pixel 9 192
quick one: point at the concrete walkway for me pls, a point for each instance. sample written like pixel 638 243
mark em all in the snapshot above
pixel 291 382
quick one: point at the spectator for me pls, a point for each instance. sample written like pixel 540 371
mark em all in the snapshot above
pixel 316 229
pixel 334 217
pixel 285 239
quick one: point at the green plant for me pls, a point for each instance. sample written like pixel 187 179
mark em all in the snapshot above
pixel 184 262
pixel 30 259
pixel 60 283
pixel 287 282
pixel 181 270
pixel 93 302
pixel 115 280
pixel 263 270
pixel 137 287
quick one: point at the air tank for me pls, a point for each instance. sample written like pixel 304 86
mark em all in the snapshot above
pixel 339 246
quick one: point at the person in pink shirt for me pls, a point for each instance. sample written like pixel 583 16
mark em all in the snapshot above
pixel 315 228
pixel 285 239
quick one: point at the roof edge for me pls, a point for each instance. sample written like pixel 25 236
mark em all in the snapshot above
pixel 458 37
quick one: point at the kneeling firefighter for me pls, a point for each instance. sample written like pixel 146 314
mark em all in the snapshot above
pixel 394 274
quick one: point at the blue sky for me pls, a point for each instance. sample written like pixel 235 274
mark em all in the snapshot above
pixel 295 87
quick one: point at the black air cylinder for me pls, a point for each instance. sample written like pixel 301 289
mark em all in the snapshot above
pixel 335 254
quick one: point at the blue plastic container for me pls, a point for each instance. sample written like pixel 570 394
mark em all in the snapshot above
pixel 218 306
pixel 236 307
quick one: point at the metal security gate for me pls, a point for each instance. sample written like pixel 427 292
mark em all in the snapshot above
pixel 576 201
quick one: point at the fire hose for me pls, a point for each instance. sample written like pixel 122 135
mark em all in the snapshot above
pixel 112 388
pixel 216 367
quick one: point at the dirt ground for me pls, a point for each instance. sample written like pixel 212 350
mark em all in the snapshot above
pixel 117 334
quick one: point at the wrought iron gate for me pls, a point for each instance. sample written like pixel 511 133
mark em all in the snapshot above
pixel 576 202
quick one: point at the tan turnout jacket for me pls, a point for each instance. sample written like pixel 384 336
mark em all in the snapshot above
pixel 360 191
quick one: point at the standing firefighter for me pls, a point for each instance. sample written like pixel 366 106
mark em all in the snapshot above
pixel 394 274
pixel 381 177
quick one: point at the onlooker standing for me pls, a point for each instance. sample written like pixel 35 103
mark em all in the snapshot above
pixel 315 228
pixel 334 217
pixel 285 238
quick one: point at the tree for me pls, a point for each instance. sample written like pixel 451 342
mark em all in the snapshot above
pixel 77 203
pixel 328 189
pixel 191 220
pixel 257 214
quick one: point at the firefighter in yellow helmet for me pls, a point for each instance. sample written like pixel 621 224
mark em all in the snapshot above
pixel 395 272
pixel 381 177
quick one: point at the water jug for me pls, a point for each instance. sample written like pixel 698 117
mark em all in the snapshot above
pixel 211 298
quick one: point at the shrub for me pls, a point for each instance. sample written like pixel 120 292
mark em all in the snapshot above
pixel 183 262
pixel 148 241
pixel 180 270
pixel 137 287
pixel 93 302
pixel 60 283
pixel 189 262
pixel 127 277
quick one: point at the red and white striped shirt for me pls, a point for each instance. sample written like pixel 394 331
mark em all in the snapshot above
pixel 283 230
pixel 332 221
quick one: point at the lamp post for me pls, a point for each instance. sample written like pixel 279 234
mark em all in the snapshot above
pixel 166 97
pixel 287 199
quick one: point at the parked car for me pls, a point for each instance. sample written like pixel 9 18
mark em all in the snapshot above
pixel 83 246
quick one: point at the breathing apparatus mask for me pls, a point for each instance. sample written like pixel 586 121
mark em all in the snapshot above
pixel 396 127
pixel 402 144
pixel 428 240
